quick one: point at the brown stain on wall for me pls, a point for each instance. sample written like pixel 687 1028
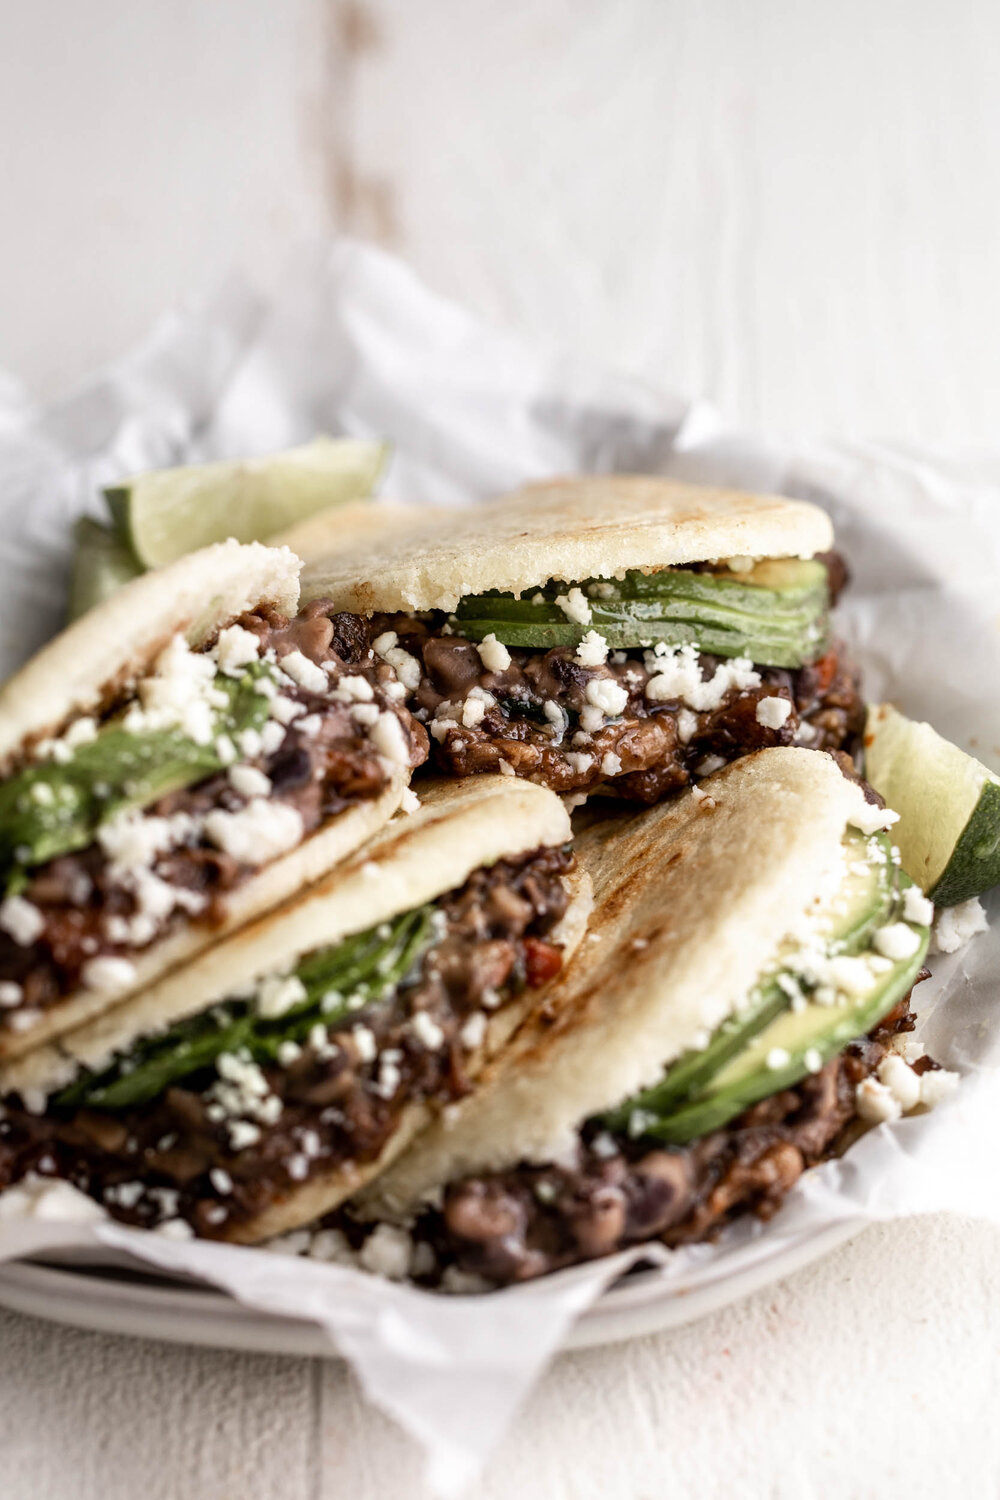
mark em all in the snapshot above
pixel 359 203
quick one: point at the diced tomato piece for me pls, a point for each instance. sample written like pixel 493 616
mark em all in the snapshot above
pixel 542 961
pixel 826 671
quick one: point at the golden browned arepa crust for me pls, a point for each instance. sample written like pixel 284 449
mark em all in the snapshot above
pixel 100 656
pixel 459 827
pixel 566 529
pixel 692 899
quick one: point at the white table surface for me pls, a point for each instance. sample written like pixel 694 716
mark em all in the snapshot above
pixel 790 207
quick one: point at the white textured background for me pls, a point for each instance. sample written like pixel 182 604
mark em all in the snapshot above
pixel 789 206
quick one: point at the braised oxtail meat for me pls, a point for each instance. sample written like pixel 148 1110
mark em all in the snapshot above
pixel 220 1146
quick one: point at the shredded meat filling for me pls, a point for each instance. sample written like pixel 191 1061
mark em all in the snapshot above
pixel 536 716
pixel 88 912
pixel 512 1226
pixel 339 1100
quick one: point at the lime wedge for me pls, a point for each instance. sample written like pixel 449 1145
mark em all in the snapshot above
pixel 102 562
pixel 169 512
pixel 948 803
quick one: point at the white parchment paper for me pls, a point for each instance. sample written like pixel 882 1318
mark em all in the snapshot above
pixel 353 344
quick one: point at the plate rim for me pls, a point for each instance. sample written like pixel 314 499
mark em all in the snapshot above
pixel 103 1299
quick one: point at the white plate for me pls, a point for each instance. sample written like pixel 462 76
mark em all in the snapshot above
pixel 110 1299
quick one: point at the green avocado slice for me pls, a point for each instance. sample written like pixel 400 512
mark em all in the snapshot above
pixel 57 807
pixel 865 901
pixel 779 1056
pixel 338 981
pixel 775 615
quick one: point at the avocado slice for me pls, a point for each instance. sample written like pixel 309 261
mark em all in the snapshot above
pixel 345 979
pixel 57 807
pixel 780 1056
pixel 775 614
pixel 864 902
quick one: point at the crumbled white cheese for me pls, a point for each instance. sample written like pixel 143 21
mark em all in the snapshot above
pixel 954 927
pixel 108 975
pixel 24 1020
pixel 592 650
pixel 676 673
pixel 236 648
pixel 579 762
pixel 427 1031
pixel 710 765
pixel 875 1103
pixel 410 802
pixel 354 690
pixel 80 732
pixel 702 799
pixel 777 1058
pixel 10 994
pixel 936 1085
pixel 916 907
pixel 505 768
pixel 175 1229
pixel 869 818
pixel 575 607
pixel 285 709
pixel 909 1049
pixel 813 1060
pixel 37 1197
pixel 390 741
pixel 611 764
pixel 687 723
pixel 178 694
pixel 220 1180
pixel 473 712
pixel 272 737
pixel 896 941
pixel 331 1245
pixel 390 1074
pixel 365 1045
pixel 365 714
pixel 474 1030
pixel 607 695
pixel 772 712
pixel 243 1133
pixel 249 781
pixel 304 672
pixel 249 742
pixel 493 654
pixel 850 975
pixel 256 834
pixel 387 1252
pixel 132 841
pixel 901 1081
pixel 21 920
pixel 279 993
pixel 288 1052
pixel 405 666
